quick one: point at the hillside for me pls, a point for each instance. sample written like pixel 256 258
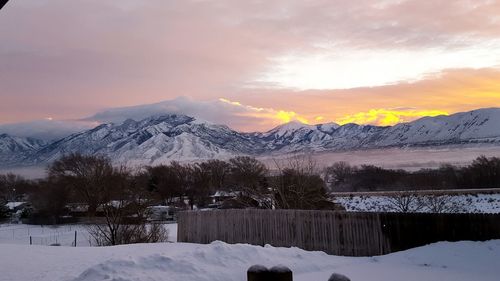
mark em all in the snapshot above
pixel 168 137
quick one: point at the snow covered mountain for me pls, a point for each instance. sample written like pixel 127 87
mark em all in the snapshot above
pixel 151 141
pixel 477 126
pixel 164 138
pixel 14 148
pixel 295 136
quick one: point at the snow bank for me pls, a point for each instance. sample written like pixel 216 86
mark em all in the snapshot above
pixel 220 261
pixel 470 203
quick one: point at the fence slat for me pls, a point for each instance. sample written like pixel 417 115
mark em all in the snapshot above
pixel 339 233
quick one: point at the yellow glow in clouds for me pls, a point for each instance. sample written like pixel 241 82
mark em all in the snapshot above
pixel 287 116
pixel 380 117
pixel 387 117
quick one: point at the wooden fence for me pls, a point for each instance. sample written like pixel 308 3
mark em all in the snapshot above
pixel 338 233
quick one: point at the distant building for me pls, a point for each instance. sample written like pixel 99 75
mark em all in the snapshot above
pixel 221 196
pixel 16 206
pixel 162 213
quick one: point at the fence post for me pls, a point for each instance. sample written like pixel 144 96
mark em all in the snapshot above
pixel 75 238
pixel 31 241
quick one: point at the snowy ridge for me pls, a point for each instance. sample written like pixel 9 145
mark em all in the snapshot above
pixel 153 140
pixel 475 126
pixel 163 138
pixel 478 126
pixel 11 148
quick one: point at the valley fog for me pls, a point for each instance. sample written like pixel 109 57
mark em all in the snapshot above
pixel 410 159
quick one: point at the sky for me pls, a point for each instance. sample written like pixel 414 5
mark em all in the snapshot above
pixel 250 64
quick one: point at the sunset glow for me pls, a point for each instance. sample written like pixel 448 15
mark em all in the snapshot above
pixel 387 117
pixel 380 117
pixel 251 65
pixel 275 116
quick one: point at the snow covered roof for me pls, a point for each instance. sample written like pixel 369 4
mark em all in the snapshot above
pixel 159 207
pixel 13 205
pixel 221 193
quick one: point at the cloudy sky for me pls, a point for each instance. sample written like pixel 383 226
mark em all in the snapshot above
pixel 251 64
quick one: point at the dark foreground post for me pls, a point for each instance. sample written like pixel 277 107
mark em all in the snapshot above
pixel 257 273
pixel 338 277
pixel 2 3
pixel 280 273
pixel 276 273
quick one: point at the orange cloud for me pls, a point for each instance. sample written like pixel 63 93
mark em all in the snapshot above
pixel 450 91
pixel 381 117
pixel 387 117
pixel 287 116
pixel 273 116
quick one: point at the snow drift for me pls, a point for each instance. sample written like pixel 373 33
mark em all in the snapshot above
pixel 459 261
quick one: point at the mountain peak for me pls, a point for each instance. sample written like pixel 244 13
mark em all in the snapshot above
pixel 292 125
pixel 328 127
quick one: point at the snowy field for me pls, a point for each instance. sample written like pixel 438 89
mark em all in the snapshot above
pixel 460 261
pixel 58 234
pixel 470 203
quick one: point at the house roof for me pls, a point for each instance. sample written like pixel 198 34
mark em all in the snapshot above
pixel 13 205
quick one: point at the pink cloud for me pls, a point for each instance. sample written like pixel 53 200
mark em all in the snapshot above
pixel 68 59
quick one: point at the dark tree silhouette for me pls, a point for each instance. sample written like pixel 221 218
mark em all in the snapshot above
pixel 88 177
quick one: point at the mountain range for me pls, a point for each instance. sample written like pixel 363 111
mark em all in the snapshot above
pixel 166 137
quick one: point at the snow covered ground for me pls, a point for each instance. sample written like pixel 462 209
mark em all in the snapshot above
pixel 220 261
pixel 460 261
pixel 470 203
pixel 58 234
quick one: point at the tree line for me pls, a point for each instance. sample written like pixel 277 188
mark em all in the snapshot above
pixel 483 172
pixel 94 181
pixel 120 196
pixel 295 183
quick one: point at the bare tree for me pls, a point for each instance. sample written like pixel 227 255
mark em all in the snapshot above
pixel 164 181
pixel 248 176
pixel 125 215
pixel 184 181
pixel 87 176
pixel 218 171
pixel 484 172
pixel 49 200
pixel 298 185
pixel 404 202
pixel 444 204
pixel 338 173
pixel 125 223
pixel 201 184
pixel 12 187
